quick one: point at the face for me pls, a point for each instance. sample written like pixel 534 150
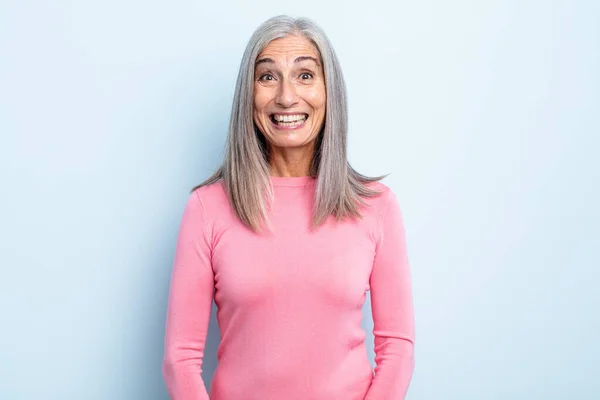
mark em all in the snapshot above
pixel 289 92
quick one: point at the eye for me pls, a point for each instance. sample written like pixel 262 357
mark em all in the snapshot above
pixel 266 77
pixel 306 75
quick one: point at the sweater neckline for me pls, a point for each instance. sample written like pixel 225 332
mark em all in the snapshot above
pixel 292 180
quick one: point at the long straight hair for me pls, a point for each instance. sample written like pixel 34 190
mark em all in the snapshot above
pixel 245 169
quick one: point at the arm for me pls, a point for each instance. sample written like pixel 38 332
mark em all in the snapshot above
pixel 188 312
pixel 392 308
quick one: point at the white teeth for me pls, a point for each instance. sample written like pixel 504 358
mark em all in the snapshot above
pixel 289 118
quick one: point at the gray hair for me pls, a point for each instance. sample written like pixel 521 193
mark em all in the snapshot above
pixel 245 170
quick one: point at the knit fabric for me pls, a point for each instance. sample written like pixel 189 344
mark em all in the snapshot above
pixel 289 300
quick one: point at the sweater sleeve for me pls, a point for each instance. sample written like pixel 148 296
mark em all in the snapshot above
pixel 189 304
pixel 392 309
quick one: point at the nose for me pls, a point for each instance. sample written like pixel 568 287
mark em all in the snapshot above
pixel 286 94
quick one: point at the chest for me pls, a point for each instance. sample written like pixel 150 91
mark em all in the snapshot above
pixel 331 264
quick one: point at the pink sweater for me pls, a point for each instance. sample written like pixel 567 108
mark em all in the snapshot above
pixel 289 301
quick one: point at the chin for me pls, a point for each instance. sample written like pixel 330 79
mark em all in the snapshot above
pixel 291 144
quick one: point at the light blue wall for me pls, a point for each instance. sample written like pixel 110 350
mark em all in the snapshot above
pixel 486 112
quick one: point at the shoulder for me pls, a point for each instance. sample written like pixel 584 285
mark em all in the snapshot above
pixel 383 208
pixel 385 211
pixel 205 206
pixel 208 193
pixel 378 203
pixel 212 198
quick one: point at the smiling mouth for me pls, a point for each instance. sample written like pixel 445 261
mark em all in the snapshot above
pixel 288 120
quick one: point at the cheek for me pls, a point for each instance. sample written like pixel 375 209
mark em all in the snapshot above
pixel 261 99
pixel 317 99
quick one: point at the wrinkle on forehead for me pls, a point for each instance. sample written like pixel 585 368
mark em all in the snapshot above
pixel 288 49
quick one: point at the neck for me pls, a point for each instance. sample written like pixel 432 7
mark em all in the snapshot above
pixel 290 162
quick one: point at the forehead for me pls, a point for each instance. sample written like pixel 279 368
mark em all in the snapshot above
pixel 289 47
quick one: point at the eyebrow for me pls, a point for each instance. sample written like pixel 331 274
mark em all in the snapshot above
pixel 297 60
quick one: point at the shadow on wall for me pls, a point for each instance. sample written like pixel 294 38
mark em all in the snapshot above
pixel 212 344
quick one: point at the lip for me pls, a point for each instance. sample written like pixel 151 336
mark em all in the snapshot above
pixel 288 128
pixel 288 113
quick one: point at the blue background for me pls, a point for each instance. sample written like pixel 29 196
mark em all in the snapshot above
pixel 487 114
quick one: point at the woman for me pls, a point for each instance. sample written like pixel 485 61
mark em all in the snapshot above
pixel 288 238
